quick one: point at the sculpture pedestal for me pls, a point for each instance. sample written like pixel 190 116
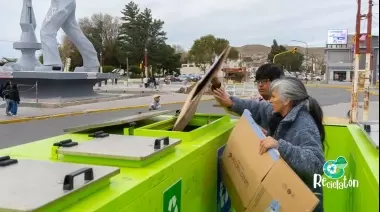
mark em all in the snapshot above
pixel 44 85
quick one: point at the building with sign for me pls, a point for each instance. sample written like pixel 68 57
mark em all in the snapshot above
pixel 339 55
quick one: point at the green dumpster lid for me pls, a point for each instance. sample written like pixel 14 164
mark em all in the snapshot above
pixel 30 185
pixel 132 148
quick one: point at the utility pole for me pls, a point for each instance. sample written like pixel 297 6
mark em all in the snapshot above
pixel 127 67
pixel 307 58
pixel 368 61
pixel 354 94
pixel 101 68
pixel 368 65
pixel 146 61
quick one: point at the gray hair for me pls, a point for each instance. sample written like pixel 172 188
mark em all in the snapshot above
pixel 290 88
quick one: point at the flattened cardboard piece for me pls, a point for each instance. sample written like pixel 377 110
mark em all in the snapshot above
pixel 189 108
pixel 263 201
pixel 243 164
pixel 257 183
pixel 283 186
pixel 245 138
pixel 236 202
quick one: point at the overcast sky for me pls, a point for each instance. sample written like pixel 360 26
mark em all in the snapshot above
pixel 240 21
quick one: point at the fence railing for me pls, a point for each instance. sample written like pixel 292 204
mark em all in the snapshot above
pixel 241 89
pixel 23 88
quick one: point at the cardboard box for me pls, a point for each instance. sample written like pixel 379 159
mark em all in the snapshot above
pixel 261 183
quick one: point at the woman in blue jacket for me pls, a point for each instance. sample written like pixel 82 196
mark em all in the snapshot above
pixel 295 126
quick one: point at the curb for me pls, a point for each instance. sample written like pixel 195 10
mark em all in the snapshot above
pixel 80 102
pixel 76 113
pixel 331 120
pixel 312 85
pixel 328 86
pixel 361 91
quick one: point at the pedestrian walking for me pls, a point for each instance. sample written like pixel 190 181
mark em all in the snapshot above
pixel 14 97
pixel 4 93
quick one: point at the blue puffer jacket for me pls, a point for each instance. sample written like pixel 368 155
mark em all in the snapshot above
pixel 298 136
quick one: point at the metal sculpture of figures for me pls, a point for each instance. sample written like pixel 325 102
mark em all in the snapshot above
pixel 28 44
pixel 61 14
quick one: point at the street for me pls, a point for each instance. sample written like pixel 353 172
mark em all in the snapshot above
pixel 20 133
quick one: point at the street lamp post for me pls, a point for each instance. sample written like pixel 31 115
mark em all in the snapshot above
pixel 101 62
pixel 146 61
pixel 145 65
pixel 127 67
pixel 101 68
pixel 307 52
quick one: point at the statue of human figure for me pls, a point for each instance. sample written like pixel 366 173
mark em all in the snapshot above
pixel 61 14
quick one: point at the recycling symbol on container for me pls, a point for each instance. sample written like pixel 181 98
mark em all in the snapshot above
pixel 173 207
pixel 223 195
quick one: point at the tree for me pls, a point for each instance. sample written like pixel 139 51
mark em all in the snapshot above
pixel 178 49
pixel 202 51
pixel 140 31
pixel 290 61
pixel 127 37
pixel 234 54
pixel 206 48
pixel 275 49
pixel 41 59
pixel 219 45
pixel 68 50
pixel 5 60
pixel 170 60
pixel 102 31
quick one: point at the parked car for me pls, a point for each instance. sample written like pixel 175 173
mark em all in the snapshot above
pixel 172 78
pixel 182 78
pixel 194 77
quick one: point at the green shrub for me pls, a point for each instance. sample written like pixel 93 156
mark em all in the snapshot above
pixel 108 69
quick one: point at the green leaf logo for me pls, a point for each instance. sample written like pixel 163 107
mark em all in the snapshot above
pixel 334 169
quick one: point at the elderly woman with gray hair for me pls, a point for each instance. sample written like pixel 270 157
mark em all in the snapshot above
pixel 294 122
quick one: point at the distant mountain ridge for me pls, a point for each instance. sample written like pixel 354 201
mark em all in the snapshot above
pixel 258 49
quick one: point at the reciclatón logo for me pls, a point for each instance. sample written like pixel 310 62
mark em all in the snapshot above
pixel 335 175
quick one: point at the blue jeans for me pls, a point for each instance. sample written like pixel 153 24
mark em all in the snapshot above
pixel 13 107
pixel 7 106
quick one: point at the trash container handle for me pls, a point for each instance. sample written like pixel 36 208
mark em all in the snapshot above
pixel 68 182
pixel 157 142
pixel 6 161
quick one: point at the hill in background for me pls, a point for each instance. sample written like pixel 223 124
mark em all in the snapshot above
pixel 256 49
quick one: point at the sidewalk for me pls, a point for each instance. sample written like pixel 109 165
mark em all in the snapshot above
pixel 372 91
pixel 340 110
pixel 336 85
pixel 133 88
pixel 28 113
